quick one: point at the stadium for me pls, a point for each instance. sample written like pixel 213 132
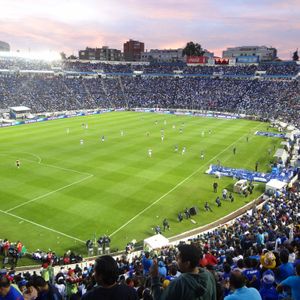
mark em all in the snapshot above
pixel 97 158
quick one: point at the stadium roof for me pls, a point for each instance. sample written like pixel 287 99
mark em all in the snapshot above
pixel 20 108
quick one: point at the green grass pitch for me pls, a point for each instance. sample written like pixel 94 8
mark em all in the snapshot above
pixel 65 193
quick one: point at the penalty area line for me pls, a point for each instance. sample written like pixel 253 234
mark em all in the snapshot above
pixel 42 226
pixel 48 194
pixel 177 185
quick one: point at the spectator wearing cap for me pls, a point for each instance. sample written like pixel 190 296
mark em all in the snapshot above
pixel 72 283
pixel 45 272
pixel 268 290
pixel 293 282
pixel 60 285
pixel 106 275
pixel 22 285
pixel 7 291
pixel 240 291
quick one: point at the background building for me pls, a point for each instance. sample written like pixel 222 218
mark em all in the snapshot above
pixel 133 50
pixel 262 52
pixel 103 53
pixel 4 46
pixel 167 55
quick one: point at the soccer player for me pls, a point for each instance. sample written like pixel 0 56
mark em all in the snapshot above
pixel 180 217
pixel 176 148
pixel 202 155
pixel 103 138
pixel 207 207
pixel 150 152
pixel 81 142
pixel 183 151
pixel 215 187
pixel 18 163
pixel 166 224
pixel 180 130
pixel 162 137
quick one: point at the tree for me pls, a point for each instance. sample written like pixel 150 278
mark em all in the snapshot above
pixel 295 55
pixel 63 55
pixel 193 49
pixel 72 57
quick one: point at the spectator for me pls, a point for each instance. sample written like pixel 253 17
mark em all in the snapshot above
pixel 240 291
pixel 193 283
pixel 293 282
pixel 106 275
pixel 45 290
pixel 7 291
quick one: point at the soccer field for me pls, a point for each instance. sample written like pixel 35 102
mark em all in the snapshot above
pixel 65 193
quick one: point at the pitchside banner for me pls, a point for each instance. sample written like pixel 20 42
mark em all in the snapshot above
pixel 197 59
pixel 221 61
pixel 247 59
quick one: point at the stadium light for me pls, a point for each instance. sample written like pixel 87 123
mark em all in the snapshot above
pixel 40 55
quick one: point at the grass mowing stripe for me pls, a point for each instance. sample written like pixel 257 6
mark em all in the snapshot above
pixel 42 226
pixel 48 194
pixel 177 185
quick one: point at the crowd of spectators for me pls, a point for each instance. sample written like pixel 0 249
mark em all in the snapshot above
pixel 257 255
pixel 263 98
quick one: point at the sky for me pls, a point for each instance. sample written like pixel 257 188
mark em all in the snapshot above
pixel 71 25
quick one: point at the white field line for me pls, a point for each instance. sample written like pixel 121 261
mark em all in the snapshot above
pixel 44 164
pixel 177 185
pixel 42 226
pixel 38 157
pixel 48 194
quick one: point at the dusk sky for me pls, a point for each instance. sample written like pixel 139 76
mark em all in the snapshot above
pixel 70 25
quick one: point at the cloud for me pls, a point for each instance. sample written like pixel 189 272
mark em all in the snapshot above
pixel 71 25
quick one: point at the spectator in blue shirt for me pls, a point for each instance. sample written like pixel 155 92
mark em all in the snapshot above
pixel 147 263
pixel 268 290
pixel 293 282
pixel 7 291
pixel 286 268
pixel 237 284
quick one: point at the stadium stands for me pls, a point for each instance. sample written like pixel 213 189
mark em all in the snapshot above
pixel 262 244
